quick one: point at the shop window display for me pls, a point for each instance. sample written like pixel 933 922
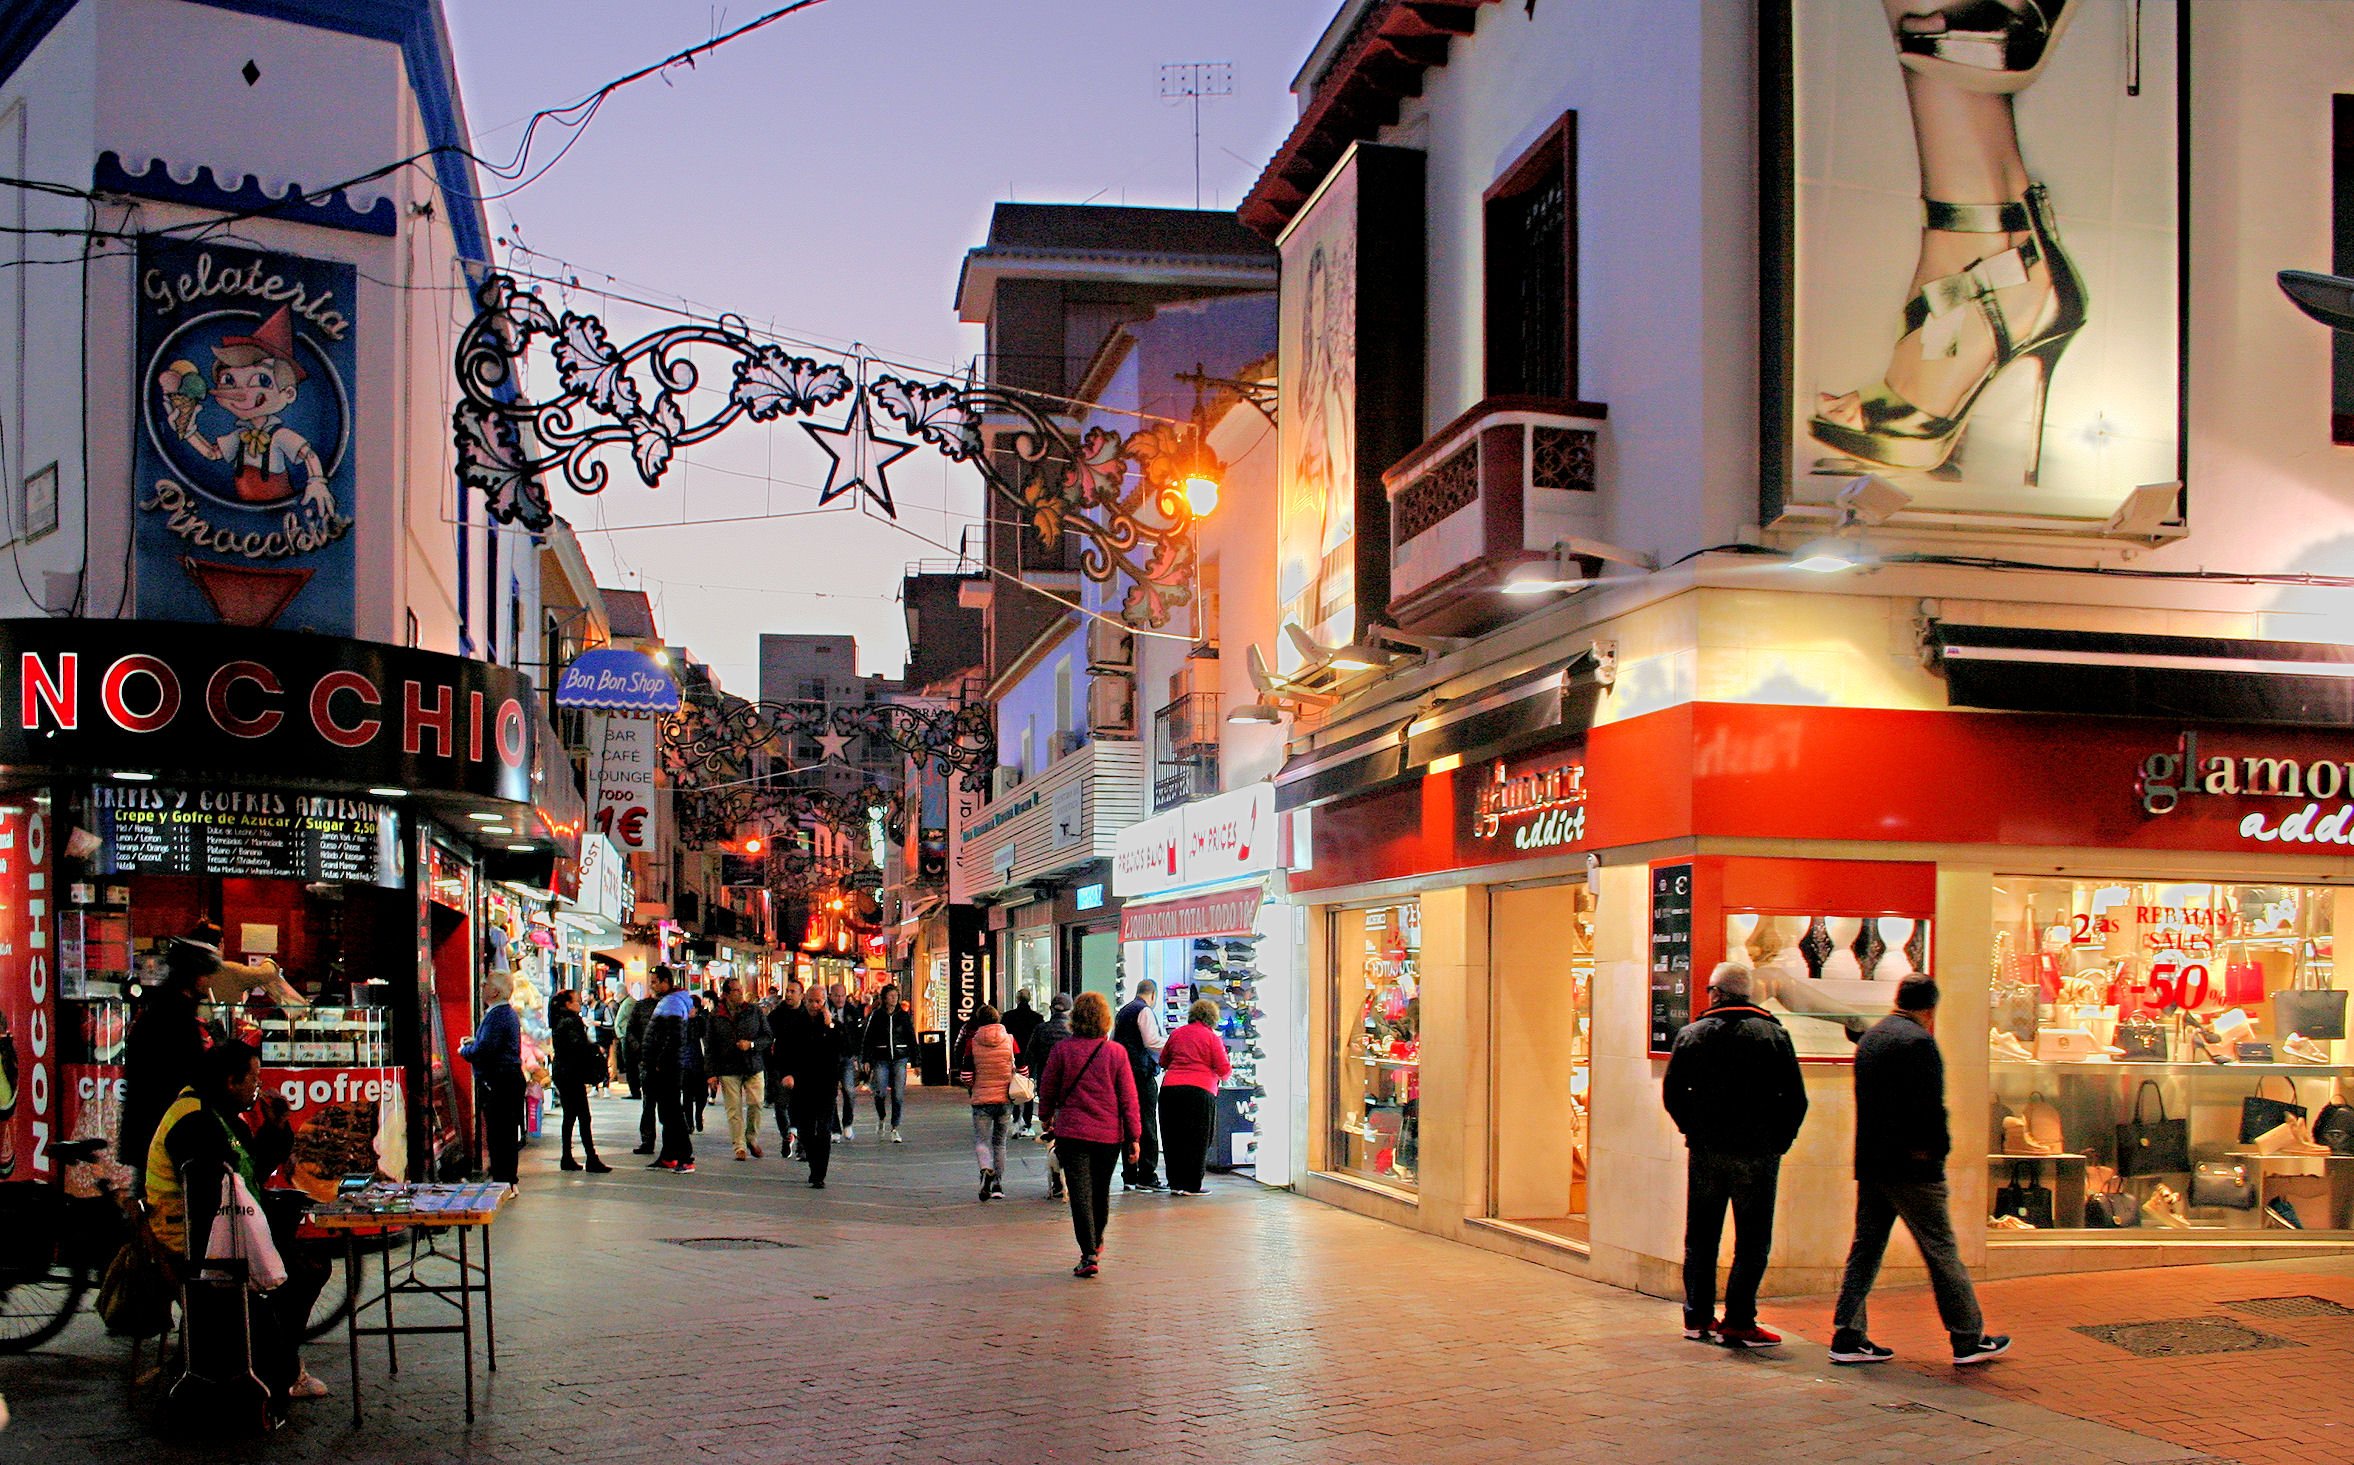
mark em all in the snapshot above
pixel 2170 1058
pixel 1541 951
pixel 1225 970
pixel 1827 977
pixel 1378 1030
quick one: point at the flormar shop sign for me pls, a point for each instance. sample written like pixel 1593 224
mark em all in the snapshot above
pixel 2318 786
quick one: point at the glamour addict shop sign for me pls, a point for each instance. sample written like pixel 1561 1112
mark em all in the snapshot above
pixel 94 696
pixel 2306 798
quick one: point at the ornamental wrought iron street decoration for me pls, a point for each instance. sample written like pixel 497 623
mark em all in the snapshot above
pixel 1121 495
pixel 722 737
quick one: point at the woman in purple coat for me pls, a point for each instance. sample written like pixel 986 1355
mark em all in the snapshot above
pixel 1087 1096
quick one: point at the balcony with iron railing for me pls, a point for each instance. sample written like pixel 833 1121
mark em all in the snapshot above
pixel 1185 750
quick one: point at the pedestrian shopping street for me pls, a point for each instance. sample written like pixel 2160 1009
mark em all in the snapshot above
pixel 899 1320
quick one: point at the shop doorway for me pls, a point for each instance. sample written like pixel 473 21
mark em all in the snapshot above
pixel 1541 1046
pixel 1095 963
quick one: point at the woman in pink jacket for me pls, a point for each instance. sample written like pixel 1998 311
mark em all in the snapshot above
pixel 1088 1098
pixel 1193 1065
pixel 989 1057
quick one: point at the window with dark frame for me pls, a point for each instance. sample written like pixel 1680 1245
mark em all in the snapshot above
pixel 1531 265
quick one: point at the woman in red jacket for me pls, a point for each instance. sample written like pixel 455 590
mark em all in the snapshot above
pixel 1193 1065
pixel 1088 1098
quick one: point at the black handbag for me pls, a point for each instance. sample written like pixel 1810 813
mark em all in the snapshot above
pixel 2223 1183
pixel 2025 1199
pixel 2335 1127
pixel 2260 1115
pixel 2111 1209
pixel 2160 1146
pixel 2142 1039
pixel 2311 1011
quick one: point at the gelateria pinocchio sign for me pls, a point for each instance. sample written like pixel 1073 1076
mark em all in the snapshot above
pixel 96 696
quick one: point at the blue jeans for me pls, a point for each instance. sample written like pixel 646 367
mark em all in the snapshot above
pixel 846 1113
pixel 890 1085
pixel 990 1123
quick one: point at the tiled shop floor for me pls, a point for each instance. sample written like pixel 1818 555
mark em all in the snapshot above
pixel 2273 1405
pixel 903 1321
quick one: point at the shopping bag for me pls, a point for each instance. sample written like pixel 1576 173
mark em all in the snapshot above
pixel 241 1233
pixel 135 1296
pixel 2159 1146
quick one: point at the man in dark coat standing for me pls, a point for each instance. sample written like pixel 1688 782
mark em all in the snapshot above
pixel 1901 1143
pixel 809 1064
pixel 633 1037
pixel 1733 1087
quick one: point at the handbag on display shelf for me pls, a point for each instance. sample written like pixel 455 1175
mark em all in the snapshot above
pixel 2143 1038
pixel 2024 1200
pixel 2259 1115
pixel 2159 1146
pixel 2013 1009
pixel 2251 1053
pixel 2110 1208
pixel 2243 980
pixel 2334 1125
pixel 2043 1122
pixel 2309 1011
pixel 2223 1183
pixel 2064 1045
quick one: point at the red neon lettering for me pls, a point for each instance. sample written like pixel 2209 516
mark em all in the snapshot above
pixel 216 700
pixel 511 733
pixel 359 733
pixel 474 726
pixel 416 717
pixel 60 696
pixel 118 707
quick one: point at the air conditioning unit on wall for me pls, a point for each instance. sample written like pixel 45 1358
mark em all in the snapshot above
pixel 1110 646
pixel 1111 705
pixel 1005 780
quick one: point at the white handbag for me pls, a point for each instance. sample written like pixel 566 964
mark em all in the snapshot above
pixel 1019 1089
pixel 241 1233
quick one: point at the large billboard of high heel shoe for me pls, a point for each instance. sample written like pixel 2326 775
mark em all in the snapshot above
pixel 1975 234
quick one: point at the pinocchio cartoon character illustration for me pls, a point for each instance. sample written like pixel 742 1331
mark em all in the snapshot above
pixel 256 378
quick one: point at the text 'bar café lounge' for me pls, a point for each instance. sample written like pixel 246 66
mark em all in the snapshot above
pixel 336 808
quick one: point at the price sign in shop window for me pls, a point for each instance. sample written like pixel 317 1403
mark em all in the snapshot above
pixel 2251 964
pixel 150 829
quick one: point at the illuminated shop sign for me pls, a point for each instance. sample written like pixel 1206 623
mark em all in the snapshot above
pixel 1543 808
pixel 2192 772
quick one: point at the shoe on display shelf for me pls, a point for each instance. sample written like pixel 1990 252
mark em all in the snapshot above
pixel 2298 1048
pixel 2280 1213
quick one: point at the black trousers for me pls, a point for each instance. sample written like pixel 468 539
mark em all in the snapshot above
pixel 1147 1169
pixel 1186 1123
pixel 1714 1180
pixel 813 1115
pixel 670 1101
pixel 574 1097
pixel 1087 1180
pixel 648 1110
pixel 501 1100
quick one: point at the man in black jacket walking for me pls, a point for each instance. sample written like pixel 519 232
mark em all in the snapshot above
pixel 1733 1088
pixel 1900 1147
pixel 633 1039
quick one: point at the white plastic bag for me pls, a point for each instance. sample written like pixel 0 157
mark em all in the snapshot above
pixel 240 1232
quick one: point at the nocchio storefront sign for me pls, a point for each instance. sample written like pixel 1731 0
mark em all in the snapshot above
pixel 78 695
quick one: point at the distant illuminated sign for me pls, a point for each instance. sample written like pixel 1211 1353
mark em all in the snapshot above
pixel 1090 897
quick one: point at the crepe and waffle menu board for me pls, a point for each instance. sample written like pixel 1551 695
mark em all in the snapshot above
pixel 149 829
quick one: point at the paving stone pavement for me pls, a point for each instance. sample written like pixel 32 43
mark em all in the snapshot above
pixel 903 1321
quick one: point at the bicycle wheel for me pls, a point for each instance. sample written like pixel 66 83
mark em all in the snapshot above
pixel 36 1306
pixel 334 1301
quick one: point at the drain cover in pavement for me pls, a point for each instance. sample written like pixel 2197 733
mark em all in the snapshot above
pixel 727 1243
pixel 1907 1409
pixel 2290 1307
pixel 2184 1337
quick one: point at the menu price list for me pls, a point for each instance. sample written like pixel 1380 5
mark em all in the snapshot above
pixel 289 836
pixel 1671 953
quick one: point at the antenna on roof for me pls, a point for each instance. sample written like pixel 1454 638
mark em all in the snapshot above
pixel 1191 81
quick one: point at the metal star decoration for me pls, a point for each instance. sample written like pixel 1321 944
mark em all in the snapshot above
pixel 830 744
pixel 857 453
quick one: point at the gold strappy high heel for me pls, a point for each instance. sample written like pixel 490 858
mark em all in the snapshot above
pixel 1893 431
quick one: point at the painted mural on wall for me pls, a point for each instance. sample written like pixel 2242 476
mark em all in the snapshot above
pixel 244 474
pixel 1987 275
pixel 1316 519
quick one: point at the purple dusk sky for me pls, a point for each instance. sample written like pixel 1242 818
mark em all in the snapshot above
pixel 823 177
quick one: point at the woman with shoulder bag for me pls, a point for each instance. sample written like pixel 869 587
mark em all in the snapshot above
pixel 1087 1095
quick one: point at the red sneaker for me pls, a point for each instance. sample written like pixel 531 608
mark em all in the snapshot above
pixel 1752 1336
pixel 687 1167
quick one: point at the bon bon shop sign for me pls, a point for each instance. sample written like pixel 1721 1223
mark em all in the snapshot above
pixel 83 696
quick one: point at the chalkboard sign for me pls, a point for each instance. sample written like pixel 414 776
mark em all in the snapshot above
pixel 151 830
pixel 1671 953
